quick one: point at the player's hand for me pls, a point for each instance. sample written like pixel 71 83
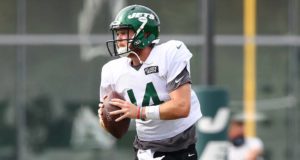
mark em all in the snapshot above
pixel 127 109
pixel 100 113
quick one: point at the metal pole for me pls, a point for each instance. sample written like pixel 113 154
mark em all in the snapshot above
pixel 292 117
pixel 250 67
pixel 20 108
pixel 208 66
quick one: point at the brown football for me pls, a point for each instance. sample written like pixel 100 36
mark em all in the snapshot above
pixel 117 129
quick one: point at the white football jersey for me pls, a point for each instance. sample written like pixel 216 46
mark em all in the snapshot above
pixel 147 86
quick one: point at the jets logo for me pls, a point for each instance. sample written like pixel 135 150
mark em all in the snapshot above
pixel 138 15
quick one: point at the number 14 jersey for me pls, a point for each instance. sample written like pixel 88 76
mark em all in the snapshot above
pixel 147 86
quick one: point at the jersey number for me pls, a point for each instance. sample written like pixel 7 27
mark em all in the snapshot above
pixel 150 92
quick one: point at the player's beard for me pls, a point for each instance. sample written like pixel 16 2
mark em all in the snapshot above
pixel 123 51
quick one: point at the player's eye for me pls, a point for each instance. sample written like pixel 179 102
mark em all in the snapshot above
pixel 121 33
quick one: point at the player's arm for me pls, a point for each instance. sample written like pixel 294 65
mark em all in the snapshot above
pixel 180 100
pixel 179 88
pixel 179 104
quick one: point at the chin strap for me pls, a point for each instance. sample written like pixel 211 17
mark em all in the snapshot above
pixel 140 61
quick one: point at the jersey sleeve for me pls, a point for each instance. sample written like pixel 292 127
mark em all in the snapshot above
pixel 105 84
pixel 178 58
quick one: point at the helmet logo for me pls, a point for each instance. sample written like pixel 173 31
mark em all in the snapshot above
pixel 116 23
pixel 138 15
pixel 143 19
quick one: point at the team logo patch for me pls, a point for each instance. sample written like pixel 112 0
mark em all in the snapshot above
pixel 151 69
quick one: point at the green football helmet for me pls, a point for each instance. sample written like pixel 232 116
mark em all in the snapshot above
pixel 145 24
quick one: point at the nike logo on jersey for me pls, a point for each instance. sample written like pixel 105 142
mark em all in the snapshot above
pixel 151 69
pixel 178 80
pixel 178 46
pixel 191 154
pixel 159 158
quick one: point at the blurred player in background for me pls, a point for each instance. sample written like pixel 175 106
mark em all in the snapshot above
pixel 155 81
pixel 241 147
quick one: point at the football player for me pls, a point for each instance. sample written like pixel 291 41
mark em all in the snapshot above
pixel 155 81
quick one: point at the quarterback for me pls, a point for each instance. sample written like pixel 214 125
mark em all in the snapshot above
pixel 155 81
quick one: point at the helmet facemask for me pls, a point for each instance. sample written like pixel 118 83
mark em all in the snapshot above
pixel 112 45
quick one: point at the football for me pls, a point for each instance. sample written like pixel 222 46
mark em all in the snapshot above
pixel 117 129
